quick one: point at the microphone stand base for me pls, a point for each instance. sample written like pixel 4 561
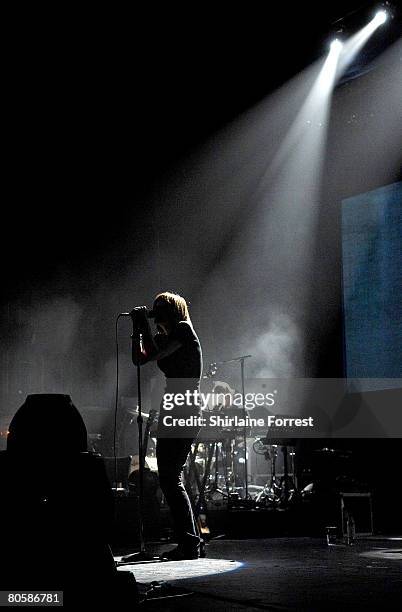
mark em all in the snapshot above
pixel 138 557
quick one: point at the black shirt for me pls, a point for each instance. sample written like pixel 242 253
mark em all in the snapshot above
pixel 186 361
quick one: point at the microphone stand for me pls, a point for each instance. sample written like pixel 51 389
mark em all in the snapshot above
pixel 241 360
pixel 142 555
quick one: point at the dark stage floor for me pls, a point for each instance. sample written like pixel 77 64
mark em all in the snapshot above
pixel 283 574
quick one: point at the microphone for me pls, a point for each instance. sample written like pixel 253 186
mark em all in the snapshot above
pixel 138 310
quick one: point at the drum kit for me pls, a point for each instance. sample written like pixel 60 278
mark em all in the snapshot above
pixel 214 473
pixel 217 473
pixel 218 467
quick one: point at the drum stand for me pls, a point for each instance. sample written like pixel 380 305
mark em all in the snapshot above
pixel 277 494
pixel 241 360
pixel 215 450
pixel 204 491
pixel 271 490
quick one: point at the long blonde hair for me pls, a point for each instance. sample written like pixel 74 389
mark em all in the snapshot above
pixel 173 304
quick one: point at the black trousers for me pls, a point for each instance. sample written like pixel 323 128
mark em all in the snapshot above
pixel 171 454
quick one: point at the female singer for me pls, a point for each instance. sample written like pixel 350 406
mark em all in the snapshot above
pixel 177 352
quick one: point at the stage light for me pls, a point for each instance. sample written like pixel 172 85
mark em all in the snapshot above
pixel 327 77
pixel 380 17
pixel 354 45
pixel 336 45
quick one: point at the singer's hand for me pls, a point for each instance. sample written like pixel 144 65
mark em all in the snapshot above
pixel 139 313
pixel 140 318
